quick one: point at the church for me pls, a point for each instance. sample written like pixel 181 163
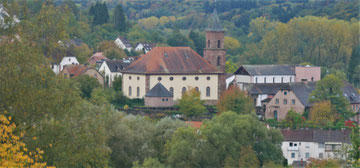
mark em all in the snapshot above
pixel 179 68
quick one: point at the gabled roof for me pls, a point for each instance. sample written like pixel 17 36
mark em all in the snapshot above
pixel 117 65
pixel 253 70
pixel 125 41
pixel 264 88
pixel 76 70
pixel 319 136
pixel 96 57
pixel 214 23
pixel 351 93
pixel 302 91
pixel 147 46
pixel 169 60
pixel 158 91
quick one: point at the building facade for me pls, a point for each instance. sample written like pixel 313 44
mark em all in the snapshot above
pixel 112 69
pixel 123 43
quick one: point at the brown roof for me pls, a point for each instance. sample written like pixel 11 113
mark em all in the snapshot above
pixel 194 124
pixel 319 136
pixel 170 60
pixel 96 57
pixel 76 70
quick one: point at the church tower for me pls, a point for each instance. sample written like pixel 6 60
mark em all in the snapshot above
pixel 214 51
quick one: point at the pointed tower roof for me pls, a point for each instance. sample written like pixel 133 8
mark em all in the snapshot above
pixel 214 23
pixel 158 90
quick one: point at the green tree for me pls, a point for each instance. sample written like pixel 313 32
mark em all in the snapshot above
pixel 100 13
pixel 355 143
pixel 117 83
pixel 199 41
pixel 190 103
pixel 86 85
pixel 149 163
pixel 330 88
pixel 248 157
pixel 119 19
pixel 323 113
pixel 233 99
pixel 177 39
pixel 294 120
pixel 230 67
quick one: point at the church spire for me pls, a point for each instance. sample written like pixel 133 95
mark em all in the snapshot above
pixel 214 23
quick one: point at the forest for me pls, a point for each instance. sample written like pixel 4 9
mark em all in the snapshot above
pixel 47 120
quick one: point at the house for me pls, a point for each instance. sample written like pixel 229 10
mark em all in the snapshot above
pixel 146 47
pixel 77 70
pixel 158 96
pixel 181 68
pixel 5 22
pixel 122 43
pixel 65 61
pixel 275 74
pixel 194 124
pixel 98 56
pixel 296 96
pixel 112 68
pixel 263 91
pixel 300 145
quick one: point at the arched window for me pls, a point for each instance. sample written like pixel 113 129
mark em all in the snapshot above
pixel 137 91
pixel 264 79
pixel 129 90
pixel 218 61
pixel 197 89
pixel 171 90
pixel 219 44
pixel 208 43
pixel 273 79
pixel 207 91
pixel 183 89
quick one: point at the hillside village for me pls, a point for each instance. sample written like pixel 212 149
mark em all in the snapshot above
pixel 182 100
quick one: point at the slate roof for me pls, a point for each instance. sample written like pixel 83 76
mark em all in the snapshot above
pixel 171 60
pixel 264 88
pixel 214 23
pixel 302 91
pixel 253 70
pixel 117 65
pixel 319 136
pixel 125 41
pixel 158 91
pixel 351 93
pixel 96 57
pixel 147 46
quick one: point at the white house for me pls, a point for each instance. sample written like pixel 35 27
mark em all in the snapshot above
pixel 146 47
pixel 122 43
pixel 111 69
pixel 65 61
pixel 300 145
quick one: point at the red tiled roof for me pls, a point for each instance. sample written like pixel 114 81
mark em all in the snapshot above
pixel 194 124
pixel 76 70
pixel 96 57
pixel 170 60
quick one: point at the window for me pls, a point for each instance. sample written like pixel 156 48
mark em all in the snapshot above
pixel 285 101
pixel 276 101
pixel 264 79
pixel 183 89
pixel 207 91
pixel 208 43
pixel 293 101
pixel 159 78
pixel 303 80
pixel 208 78
pixel 321 145
pixel 129 77
pixel 307 147
pixel 219 44
pixel 129 90
pixel 138 78
pixel 292 155
pixel 290 79
pixel 285 93
pixel 321 155
pixel 295 144
pixel 282 79
pixel 256 80
pixel 218 61
pixel 137 91
pixel 171 78
pixel 163 99
pixel 290 144
pixel 171 90
pixel 184 78
pixel 197 89
pixel 196 78
pixel 273 79
pixel 312 79
pixel 307 155
pixel 275 114
pixel 167 99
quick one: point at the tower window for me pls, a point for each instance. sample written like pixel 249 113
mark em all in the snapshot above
pixel 137 91
pixel 208 92
pixel 171 90
pixel 219 44
pixel 218 61
pixel 208 43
